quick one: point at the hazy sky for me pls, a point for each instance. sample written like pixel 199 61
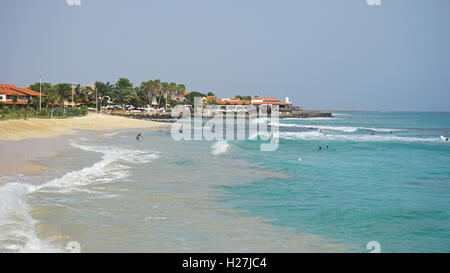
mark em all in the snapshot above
pixel 324 54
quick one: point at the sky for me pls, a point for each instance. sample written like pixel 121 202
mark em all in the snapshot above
pixel 323 54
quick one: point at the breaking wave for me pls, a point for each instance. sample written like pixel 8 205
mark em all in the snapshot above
pixel 17 226
pixel 347 129
pixel 220 147
pixel 315 135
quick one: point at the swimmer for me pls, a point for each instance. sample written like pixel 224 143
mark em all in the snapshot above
pixel 320 148
pixel 139 137
pixel 326 146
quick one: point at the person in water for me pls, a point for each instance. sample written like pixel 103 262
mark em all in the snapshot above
pixel 139 137
pixel 320 148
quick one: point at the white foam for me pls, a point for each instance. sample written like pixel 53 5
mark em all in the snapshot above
pixel 315 135
pixel 111 134
pixel 260 120
pixel 220 147
pixel 347 129
pixel 17 227
pixel 316 118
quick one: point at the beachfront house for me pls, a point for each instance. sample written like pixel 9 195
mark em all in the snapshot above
pixel 238 105
pixel 8 91
pixel 284 106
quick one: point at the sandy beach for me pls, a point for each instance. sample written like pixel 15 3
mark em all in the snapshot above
pixel 22 141
pixel 46 128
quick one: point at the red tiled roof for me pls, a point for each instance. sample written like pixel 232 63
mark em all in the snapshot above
pixel 9 92
pixel 23 91
pixel 267 99
pixel 270 101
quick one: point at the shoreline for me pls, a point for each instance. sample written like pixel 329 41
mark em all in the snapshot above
pixel 48 128
pixel 23 141
pixel 206 205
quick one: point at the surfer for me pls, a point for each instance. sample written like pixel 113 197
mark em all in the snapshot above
pixel 139 137
pixel 372 133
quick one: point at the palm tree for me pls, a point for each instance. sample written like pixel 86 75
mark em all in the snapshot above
pixel 148 87
pixel 172 90
pixel 52 99
pixel 85 94
pixel 123 97
pixel 156 89
pixel 164 88
pixel 180 91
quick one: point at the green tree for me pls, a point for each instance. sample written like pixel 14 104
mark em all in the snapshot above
pixel 87 95
pixel 64 91
pixel 181 89
pixel 210 94
pixel 138 97
pixel 156 89
pixel 14 98
pixel 123 97
pixel 171 91
pixel 46 87
pixel 164 89
pixel 124 83
pixel 192 95
pixel 150 88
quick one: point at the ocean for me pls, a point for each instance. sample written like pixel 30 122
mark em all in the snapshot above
pixel 379 176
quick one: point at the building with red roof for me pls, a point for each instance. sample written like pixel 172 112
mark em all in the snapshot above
pixel 7 91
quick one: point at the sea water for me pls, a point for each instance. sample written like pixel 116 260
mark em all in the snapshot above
pixel 384 177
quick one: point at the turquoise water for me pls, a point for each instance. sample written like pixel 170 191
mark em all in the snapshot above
pixel 392 187
pixel 384 177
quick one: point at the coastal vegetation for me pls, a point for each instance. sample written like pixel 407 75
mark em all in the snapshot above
pixel 66 100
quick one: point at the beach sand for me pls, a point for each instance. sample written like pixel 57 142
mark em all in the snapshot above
pixel 22 141
pixel 46 128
